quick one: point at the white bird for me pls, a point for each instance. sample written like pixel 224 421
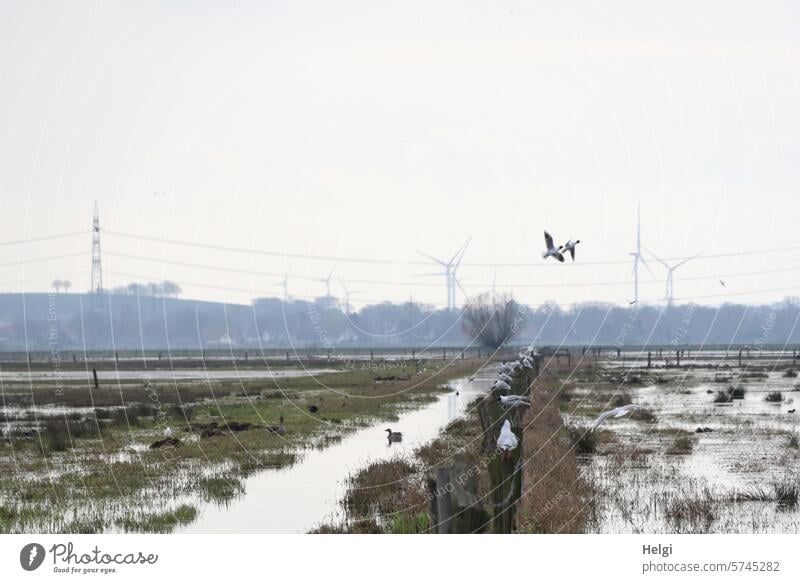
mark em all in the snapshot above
pixel 507 440
pixel 526 362
pixel 615 413
pixel 570 246
pixel 168 432
pixel 503 386
pixel 513 401
pixel 551 248
pixel 505 378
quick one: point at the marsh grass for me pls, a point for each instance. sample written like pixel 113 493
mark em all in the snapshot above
pixel 681 445
pixel 157 522
pixel 774 397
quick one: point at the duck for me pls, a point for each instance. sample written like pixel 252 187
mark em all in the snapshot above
pixel 570 246
pixel 513 401
pixel 507 442
pixel 551 251
pixel 393 436
pixel 279 429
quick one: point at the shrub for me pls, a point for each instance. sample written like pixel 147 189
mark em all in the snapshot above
pixel 774 397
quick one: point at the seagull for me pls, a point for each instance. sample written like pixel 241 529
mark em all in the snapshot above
pixel 551 248
pixel 168 432
pixel 615 413
pixel 513 401
pixel 526 362
pixel 570 246
pixel 507 440
pixel 505 378
pixel 502 386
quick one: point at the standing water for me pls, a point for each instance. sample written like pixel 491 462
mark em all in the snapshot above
pixel 300 497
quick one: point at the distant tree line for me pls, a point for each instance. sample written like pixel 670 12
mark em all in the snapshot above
pixel 142 315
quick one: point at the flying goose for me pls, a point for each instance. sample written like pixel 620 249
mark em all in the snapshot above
pixel 570 246
pixel 393 436
pixel 513 401
pixel 277 429
pixel 551 248
pixel 615 413
pixel 507 440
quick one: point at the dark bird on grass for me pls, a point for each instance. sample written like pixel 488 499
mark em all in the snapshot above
pixel 313 408
pixel 551 251
pixel 394 436
pixel 277 429
pixel 570 246
pixel 791 410
pixel 615 413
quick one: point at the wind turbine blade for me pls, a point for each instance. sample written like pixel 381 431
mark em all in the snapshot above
pixel 442 263
pixel 650 271
pixel 656 257
pixel 463 250
pixel 687 260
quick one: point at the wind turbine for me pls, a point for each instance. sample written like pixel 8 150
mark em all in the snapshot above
pixel 285 285
pixel 637 257
pixel 449 272
pixel 347 294
pixel 670 287
pixel 327 282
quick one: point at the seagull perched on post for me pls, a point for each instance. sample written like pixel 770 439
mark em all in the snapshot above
pixel 570 246
pixel 513 401
pixel 526 362
pixel 505 378
pixel 615 413
pixel 507 440
pixel 551 251
pixel 501 385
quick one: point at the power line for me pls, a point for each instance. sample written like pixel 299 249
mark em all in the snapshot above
pixel 375 261
pixel 37 239
pixel 44 259
pixel 424 284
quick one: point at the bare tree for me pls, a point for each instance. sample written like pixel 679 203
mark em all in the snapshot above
pixel 492 319
pixel 66 284
pixel 56 285
pixel 171 289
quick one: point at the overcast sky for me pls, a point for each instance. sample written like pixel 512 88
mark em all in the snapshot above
pixel 375 129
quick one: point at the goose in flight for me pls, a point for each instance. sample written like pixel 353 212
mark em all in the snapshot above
pixel 570 246
pixel 507 440
pixel 509 401
pixel 615 413
pixel 551 248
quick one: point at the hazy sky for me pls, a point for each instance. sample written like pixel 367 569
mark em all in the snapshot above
pixel 375 129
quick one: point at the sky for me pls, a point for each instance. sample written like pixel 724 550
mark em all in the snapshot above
pixel 374 130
